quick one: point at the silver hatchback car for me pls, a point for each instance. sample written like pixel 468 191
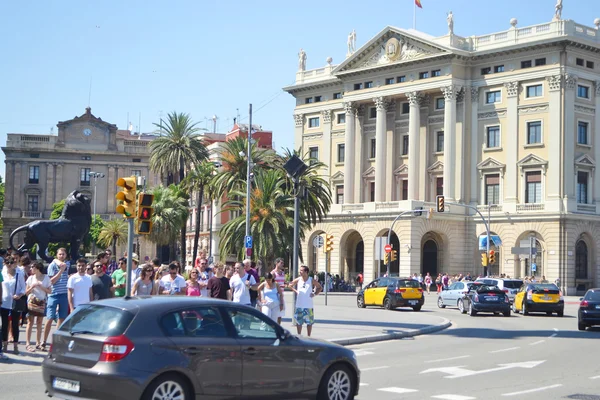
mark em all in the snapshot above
pixel 508 286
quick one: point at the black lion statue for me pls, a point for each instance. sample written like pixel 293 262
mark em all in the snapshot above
pixel 71 227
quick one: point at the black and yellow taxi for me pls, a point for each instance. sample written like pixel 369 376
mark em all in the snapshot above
pixel 392 292
pixel 539 297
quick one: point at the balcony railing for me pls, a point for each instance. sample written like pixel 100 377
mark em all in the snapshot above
pixel 494 208
pixel 587 208
pixel 31 214
pixel 353 207
pixel 531 207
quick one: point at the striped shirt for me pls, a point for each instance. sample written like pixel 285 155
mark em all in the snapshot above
pixel 60 286
pixel 279 278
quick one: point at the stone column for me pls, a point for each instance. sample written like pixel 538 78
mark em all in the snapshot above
pixel 18 185
pixel 9 183
pixel 380 147
pixel 59 182
pixel 216 227
pixel 553 134
pixel 49 186
pixel 510 142
pixel 570 132
pixel 111 190
pixel 299 130
pixel 360 151
pixel 449 141
pixel 349 153
pixel 414 122
pixel 475 146
pixel 597 151
pixel 325 152
pixel 459 173
pixel 390 164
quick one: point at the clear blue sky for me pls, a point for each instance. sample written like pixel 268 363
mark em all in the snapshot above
pixel 204 57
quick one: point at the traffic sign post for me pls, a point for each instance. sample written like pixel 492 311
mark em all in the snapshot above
pixel 248 242
pixel 318 241
pixel 388 248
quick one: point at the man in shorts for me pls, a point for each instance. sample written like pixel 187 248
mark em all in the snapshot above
pixel 304 312
pixel 58 302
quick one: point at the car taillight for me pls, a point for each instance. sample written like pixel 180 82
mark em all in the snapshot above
pixel 420 290
pixel 476 298
pixel 506 300
pixel 491 294
pixel 399 290
pixel 505 290
pixel 115 348
pixel 561 296
pixel 584 304
pixel 529 294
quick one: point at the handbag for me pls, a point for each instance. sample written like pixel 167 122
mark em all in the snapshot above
pixel 36 305
pixel 20 304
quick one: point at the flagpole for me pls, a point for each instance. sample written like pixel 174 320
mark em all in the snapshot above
pixel 414 15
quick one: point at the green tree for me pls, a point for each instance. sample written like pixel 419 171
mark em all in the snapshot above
pixel 93 234
pixel 170 214
pixel 176 151
pixel 113 233
pixel 198 181
pixel 56 212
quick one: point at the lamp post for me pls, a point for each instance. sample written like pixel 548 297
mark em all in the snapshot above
pixel 248 172
pixel 96 176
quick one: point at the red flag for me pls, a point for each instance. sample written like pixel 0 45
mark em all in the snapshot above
pixel 418 3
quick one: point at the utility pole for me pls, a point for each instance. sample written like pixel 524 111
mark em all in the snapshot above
pixel 248 175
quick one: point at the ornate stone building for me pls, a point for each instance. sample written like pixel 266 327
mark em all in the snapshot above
pixel 504 122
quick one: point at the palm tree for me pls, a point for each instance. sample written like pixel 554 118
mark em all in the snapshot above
pixel 176 151
pixel 198 180
pixel 170 214
pixel 113 233
pixel 271 216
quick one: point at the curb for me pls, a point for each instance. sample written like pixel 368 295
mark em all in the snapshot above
pixel 393 336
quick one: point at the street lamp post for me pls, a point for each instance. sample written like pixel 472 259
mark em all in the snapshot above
pixel 96 176
pixel 248 172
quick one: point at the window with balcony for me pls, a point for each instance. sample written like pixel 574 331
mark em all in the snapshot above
pixel 318 99
pixel 308 100
pixel 579 62
pixel 313 122
pixel 85 177
pixel 436 72
pixel 439 141
pixel 405 189
pixel 439 186
pixel 339 194
pixel 313 153
pixel 371 191
pixel 535 91
pixel 401 79
pixel 424 75
pixel 34 174
pixel 499 68
pixel 589 64
pixel 492 189
pixel 534 132
pixel 583 92
pixel 341 118
pixel 533 187
pixel 440 103
pixel 358 86
pixel 404 145
pixel 493 137
pixel 526 64
pixel 493 97
pixel 373 148
pixel 540 61
pixel 368 85
pixel 486 70
pixel 33 203
pixel 582 133
pixel 341 153
pixel 337 96
pixel 582 187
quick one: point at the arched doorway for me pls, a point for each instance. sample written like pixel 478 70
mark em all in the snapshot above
pixel 430 258
pixel 394 265
pixel 360 258
pixel 353 251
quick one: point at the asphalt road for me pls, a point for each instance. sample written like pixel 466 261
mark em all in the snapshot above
pixel 482 357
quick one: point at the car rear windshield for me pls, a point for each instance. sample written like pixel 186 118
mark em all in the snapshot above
pixel 545 286
pixel 97 320
pixel 486 288
pixel 513 284
pixel 409 283
pixel 592 296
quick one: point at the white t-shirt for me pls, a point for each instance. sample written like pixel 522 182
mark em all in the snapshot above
pixel 173 286
pixel 37 292
pixel 204 277
pixel 81 285
pixel 241 292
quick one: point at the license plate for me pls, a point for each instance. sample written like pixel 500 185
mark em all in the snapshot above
pixel 492 298
pixel 66 384
pixel 412 302
pixel 547 297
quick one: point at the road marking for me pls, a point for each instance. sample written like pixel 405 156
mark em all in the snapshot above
pixel 363 352
pixel 553 335
pixel 460 372
pixel 538 342
pixel 452 397
pixel 533 390
pixel 20 371
pixel 446 359
pixel 595 377
pixel 501 350
pixel 397 390
pixel 364 384
pixel 373 368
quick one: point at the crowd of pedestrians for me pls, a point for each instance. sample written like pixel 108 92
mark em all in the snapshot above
pixel 31 292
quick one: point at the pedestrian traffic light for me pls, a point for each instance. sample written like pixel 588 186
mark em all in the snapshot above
pixel 492 258
pixel 386 258
pixel 145 213
pixel 484 260
pixel 328 243
pixel 126 197
pixel 440 203
pixel 394 255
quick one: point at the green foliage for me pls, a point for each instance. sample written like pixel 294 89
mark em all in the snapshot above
pixel 92 236
pixel 170 214
pixel 56 212
pixel 113 233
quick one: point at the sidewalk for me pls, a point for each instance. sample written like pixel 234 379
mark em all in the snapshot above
pixel 345 325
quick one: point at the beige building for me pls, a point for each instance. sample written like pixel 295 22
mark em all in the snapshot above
pixel 44 169
pixel 504 122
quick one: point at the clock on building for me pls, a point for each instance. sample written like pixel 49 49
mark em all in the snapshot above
pixel 87 131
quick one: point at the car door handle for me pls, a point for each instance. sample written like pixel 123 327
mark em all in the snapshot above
pixel 251 351
pixel 193 350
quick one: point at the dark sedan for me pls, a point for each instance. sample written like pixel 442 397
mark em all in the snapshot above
pixel 485 298
pixel 589 309
pixel 189 348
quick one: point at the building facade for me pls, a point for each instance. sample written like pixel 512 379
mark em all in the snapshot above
pixel 43 169
pixel 504 123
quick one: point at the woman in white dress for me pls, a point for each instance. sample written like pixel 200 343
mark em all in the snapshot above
pixel 270 296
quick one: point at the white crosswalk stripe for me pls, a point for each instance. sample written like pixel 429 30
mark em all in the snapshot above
pixel 397 390
pixel 452 397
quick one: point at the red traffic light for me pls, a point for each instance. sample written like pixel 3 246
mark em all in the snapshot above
pixel 145 213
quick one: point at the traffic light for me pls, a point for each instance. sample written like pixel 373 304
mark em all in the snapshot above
pixel 418 211
pixel 492 258
pixel 440 203
pixel 484 260
pixel 386 258
pixel 328 243
pixel 145 213
pixel 394 255
pixel 126 197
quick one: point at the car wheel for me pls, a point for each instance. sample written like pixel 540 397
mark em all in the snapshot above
pixel 561 313
pixel 417 308
pixel 387 303
pixel 524 309
pixel 360 302
pixel 169 386
pixel 472 312
pixel 337 384
pixel 514 308
pixel 441 303
pixel 581 326
pixel 506 313
pixel 461 307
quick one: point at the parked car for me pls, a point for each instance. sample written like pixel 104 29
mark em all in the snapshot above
pixel 486 298
pixel 454 294
pixel 589 309
pixel 539 297
pixel 508 286
pixel 190 348
pixel 391 293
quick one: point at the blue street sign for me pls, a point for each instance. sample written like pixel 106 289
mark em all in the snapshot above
pixel 533 267
pixel 248 242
